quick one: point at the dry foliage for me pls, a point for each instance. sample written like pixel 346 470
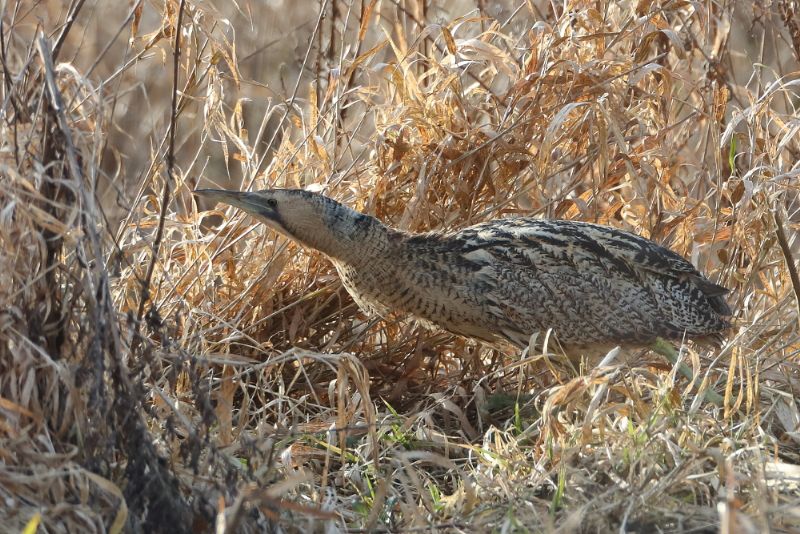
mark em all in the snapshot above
pixel 168 366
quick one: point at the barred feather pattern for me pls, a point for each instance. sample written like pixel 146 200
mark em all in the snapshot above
pixel 506 279
pixel 509 278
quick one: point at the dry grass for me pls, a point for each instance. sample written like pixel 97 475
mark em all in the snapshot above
pixel 166 366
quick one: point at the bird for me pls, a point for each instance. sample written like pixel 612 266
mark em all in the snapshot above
pixel 504 280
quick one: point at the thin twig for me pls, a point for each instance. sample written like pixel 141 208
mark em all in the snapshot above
pixel 787 255
pixel 165 194
pixel 57 104
pixel 290 103
pixel 73 14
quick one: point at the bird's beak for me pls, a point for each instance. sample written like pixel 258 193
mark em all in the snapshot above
pixel 240 199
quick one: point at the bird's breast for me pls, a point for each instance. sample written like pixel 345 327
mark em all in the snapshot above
pixel 416 286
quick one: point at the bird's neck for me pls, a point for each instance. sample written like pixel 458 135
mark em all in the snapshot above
pixel 369 244
pixel 351 238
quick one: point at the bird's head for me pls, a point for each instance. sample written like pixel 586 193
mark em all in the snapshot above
pixel 310 218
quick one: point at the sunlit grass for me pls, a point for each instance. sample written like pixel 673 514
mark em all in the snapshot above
pixel 253 392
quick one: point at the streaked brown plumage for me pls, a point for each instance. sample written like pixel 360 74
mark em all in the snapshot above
pixel 504 279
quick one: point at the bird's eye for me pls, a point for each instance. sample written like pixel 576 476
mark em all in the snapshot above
pixel 272 203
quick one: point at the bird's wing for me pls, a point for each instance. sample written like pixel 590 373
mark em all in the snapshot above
pixel 588 281
pixel 644 255
pixel 619 248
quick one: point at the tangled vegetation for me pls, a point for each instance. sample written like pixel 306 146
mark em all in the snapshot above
pixel 173 366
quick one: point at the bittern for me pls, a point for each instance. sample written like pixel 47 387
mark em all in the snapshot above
pixel 505 279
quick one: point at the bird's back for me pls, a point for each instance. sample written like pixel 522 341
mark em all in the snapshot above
pixel 508 278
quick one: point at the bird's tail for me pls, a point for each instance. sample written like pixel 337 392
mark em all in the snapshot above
pixel 715 295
